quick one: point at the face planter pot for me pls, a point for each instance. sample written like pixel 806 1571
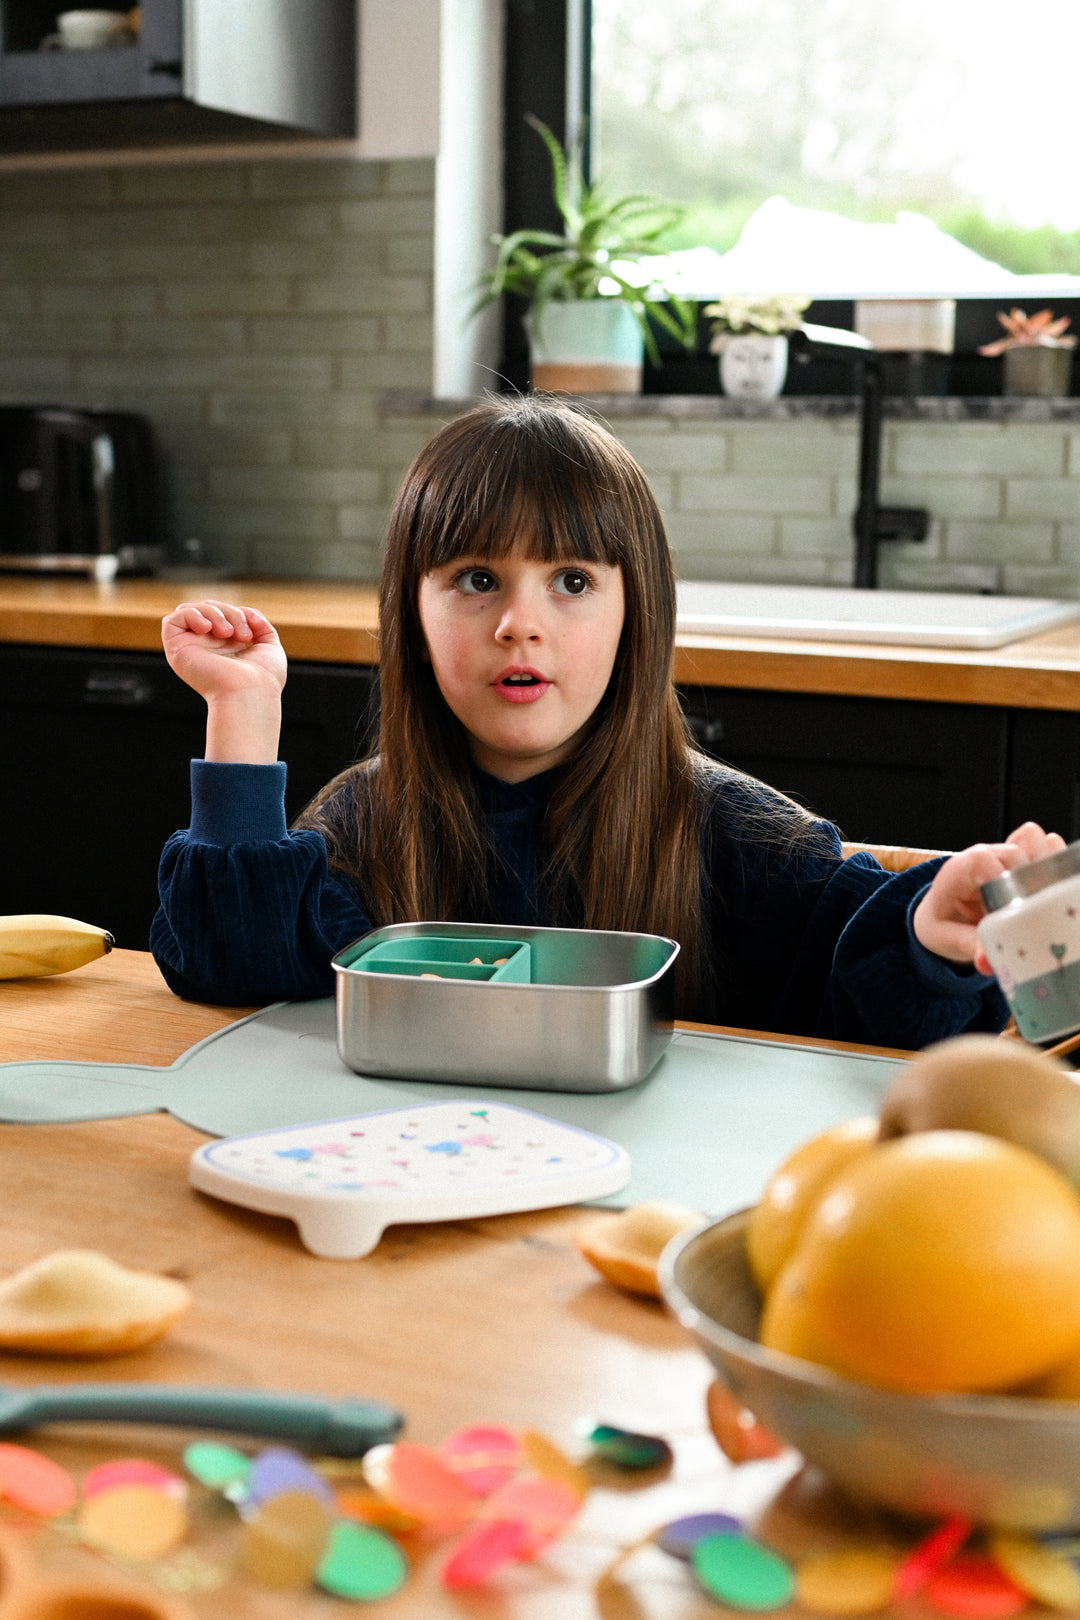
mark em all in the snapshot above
pixel 753 365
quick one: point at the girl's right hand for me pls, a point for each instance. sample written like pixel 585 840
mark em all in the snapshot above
pixel 221 650
pixel 232 657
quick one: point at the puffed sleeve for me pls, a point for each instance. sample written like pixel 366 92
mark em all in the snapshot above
pixel 250 912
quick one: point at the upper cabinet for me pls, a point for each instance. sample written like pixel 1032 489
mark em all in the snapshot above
pixel 177 72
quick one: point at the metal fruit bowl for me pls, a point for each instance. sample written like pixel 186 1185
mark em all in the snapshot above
pixel 998 1460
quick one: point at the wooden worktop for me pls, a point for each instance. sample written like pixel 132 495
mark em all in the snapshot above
pixel 337 623
pixel 494 1320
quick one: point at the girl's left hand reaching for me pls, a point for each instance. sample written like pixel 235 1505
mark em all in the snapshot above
pixel 946 918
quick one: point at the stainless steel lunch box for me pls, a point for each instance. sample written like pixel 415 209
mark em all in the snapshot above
pixel 556 1009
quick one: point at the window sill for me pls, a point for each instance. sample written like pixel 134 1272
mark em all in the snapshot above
pixel 717 407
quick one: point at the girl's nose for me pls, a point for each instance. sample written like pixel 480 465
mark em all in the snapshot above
pixel 520 619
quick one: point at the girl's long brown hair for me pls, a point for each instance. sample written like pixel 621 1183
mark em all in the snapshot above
pixel 623 831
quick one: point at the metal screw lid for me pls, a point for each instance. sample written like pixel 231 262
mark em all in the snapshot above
pixel 1030 878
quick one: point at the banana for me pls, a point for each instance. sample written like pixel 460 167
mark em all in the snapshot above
pixel 35 944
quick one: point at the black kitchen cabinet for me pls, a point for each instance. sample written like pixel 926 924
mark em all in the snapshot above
pixel 96 748
pixel 935 775
pixel 196 71
pixel 1044 779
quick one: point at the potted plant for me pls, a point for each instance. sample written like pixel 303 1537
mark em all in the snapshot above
pixel 1038 358
pixel 590 322
pixel 750 336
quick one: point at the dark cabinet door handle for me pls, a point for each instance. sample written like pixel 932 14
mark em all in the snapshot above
pixel 167 66
pixel 117 689
pixel 708 732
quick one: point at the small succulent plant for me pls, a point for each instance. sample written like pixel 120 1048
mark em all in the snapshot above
pixel 1030 331
pixel 735 315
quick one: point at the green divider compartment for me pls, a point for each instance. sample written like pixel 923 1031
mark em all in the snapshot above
pixel 508 960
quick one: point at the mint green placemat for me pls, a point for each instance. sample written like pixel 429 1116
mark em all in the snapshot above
pixel 706 1128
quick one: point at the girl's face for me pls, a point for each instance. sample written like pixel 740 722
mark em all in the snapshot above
pixel 522 652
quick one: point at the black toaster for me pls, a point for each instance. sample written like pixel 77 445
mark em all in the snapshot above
pixel 79 491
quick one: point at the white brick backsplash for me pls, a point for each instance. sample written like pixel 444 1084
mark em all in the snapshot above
pixel 676 452
pixel 317 334
pixel 258 311
pixel 946 497
pixel 816 537
pixel 722 532
pixel 998 449
pixel 149 334
pixel 776 493
pixel 302 484
pixel 782 448
pixel 999 542
pixel 1042 498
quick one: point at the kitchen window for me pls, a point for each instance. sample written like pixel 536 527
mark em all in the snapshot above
pixel 851 111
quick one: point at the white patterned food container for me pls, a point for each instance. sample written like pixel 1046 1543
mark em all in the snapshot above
pixel 1031 934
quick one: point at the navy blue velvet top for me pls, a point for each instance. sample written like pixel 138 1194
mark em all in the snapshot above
pixel 808 943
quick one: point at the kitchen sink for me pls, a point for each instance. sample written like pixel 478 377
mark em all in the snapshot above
pixel 833 613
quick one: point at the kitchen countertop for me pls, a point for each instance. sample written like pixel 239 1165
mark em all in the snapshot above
pixel 326 621
pixel 494 1319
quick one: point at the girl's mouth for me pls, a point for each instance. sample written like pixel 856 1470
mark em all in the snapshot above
pixel 521 686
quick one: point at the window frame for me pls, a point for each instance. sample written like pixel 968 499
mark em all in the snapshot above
pixel 548 59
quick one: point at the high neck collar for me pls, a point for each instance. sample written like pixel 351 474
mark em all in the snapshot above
pixel 534 791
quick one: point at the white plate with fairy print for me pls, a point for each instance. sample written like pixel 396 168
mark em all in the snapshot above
pixel 343 1181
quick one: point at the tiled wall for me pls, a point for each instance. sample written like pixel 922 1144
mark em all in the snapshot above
pixel 773 500
pixel 747 499
pixel 259 311
pixel 254 311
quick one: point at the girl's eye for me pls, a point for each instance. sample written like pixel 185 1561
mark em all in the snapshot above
pixel 476 581
pixel 572 582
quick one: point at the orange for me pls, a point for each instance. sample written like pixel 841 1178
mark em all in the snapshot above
pixel 795 1188
pixel 1061 1383
pixel 946 1260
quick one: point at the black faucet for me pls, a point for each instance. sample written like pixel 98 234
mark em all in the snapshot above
pixel 871 523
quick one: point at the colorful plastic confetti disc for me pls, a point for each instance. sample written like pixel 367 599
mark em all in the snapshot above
pixel 680 1537
pixel 742 1572
pixel 278 1469
pixel 930 1554
pixel 482 1550
pixel 215 1466
pixel 543 1455
pixel 625 1449
pixel 544 1506
pixel 419 1482
pixel 138 1522
pixel 1044 1572
pixel 483 1457
pixel 133 1471
pixel 361 1562
pixel 974 1586
pixel 285 1539
pixel 365 1507
pixel 846 1581
pixel 32 1481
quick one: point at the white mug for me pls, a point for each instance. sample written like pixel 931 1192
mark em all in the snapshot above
pixel 1031 934
pixel 87 30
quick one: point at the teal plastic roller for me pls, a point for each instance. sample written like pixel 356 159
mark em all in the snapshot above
pixel 338 1428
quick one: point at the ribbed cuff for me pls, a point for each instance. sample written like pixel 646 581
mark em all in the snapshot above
pixel 237 804
pixel 936 972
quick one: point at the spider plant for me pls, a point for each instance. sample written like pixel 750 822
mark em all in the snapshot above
pixel 602 237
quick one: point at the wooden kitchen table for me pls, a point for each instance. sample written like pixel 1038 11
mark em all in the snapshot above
pixel 497 1320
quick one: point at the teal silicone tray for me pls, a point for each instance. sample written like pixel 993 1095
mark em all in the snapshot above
pixel 436 957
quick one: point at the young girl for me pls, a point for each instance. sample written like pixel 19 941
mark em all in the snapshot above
pixel 533 767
